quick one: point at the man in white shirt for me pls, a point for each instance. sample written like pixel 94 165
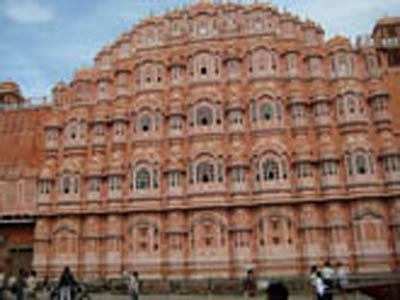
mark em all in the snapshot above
pixel 328 275
pixel 320 287
pixel 134 286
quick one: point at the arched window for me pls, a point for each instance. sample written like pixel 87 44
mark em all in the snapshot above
pixel 76 185
pixel 73 130
pixel 352 105
pixel 143 180
pixel 270 170
pixel 145 123
pixel 266 112
pixel 205 172
pixel 204 116
pixel 361 164
pixel 67 185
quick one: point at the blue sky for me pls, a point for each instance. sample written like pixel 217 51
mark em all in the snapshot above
pixel 43 41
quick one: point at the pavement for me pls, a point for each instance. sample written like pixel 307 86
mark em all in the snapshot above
pixel 110 296
pixel 106 296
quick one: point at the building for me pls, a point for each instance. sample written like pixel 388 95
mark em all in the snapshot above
pixel 209 140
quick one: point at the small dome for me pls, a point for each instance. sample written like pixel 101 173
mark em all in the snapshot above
pixel 339 41
pixel 9 86
pixel 82 74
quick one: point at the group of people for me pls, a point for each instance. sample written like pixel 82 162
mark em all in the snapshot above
pixel 325 280
pixel 322 281
pixel 22 286
pixel 25 285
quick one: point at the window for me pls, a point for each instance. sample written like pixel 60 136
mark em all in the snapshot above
pixel 233 68
pixel 176 123
pixel 99 130
pixel 315 67
pixel 145 123
pixel 44 187
pixel 304 170
pixel 143 180
pixel 266 112
pixel 155 178
pixel 176 73
pixel 174 179
pixel 235 118
pixel 238 175
pixel 119 128
pixel 203 28
pixel 270 170
pixel 115 183
pixel 253 110
pixel 94 184
pixel 205 172
pixel 157 122
pixel 176 30
pixel 204 116
pixel 352 105
pixel 67 185
pixel 361 164
pixel 159 74
pixel 291 64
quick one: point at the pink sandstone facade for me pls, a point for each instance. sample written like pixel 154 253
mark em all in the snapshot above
pixel 206 141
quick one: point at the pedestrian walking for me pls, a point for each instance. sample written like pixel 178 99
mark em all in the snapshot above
pixel 328 276
pixel 134 286
pixel 250 286
pixel 313 281
pixel 342 279
pixel 2 282
pixel 20 285
pixel 66 284
pixel 31 286
pixel 320 288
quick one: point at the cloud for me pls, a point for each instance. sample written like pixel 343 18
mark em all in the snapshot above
pixel 27 11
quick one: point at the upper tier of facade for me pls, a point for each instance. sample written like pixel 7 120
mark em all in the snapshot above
pixel 215 44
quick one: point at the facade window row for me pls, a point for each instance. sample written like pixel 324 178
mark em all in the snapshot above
pixel 207 66
pixel 208 116
pixel 272 172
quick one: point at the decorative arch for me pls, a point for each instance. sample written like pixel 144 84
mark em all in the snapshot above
pixel 145 176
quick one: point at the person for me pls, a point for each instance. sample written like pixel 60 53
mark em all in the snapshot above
pixel 2 282
pixel 277 291
pixel 134 286
pixel 31 285
pixel 66 284
pixel 328 277
pixel 313 279
pixel 250 285
pixel 20 285
pixel 342 279
pixel 125 280
pixel 320 287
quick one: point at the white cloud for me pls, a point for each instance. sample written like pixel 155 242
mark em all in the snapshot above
pixel 27 11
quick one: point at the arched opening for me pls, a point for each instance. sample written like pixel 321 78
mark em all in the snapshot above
pixel 266 111
pixel 204 116
pixel 270 170
pixel 205 172
pixel 143 180
pixel 361 164
pixel 145 123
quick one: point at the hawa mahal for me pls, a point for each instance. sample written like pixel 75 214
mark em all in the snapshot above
pixel 209 140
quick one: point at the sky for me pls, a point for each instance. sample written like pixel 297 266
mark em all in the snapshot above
pixel 44 41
